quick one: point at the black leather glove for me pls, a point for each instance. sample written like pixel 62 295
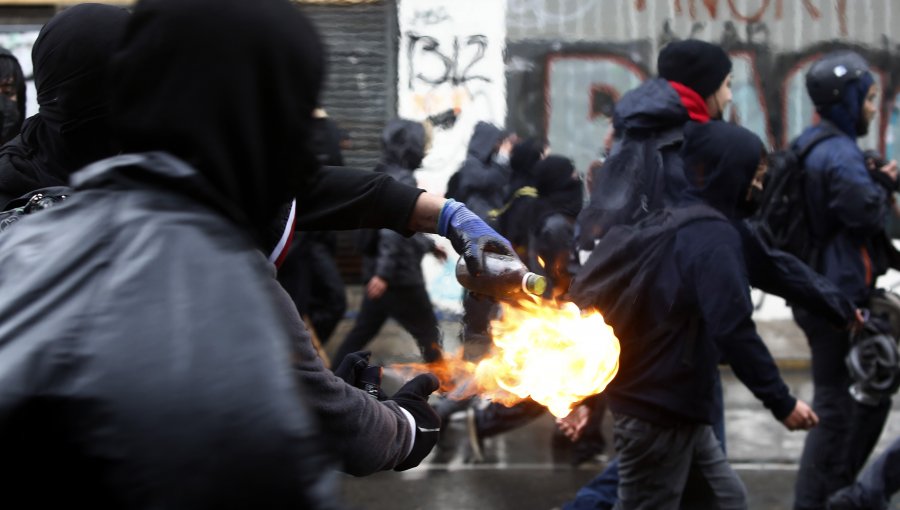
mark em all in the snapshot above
pixel 413 396
pixel 352 366
pixel 470 235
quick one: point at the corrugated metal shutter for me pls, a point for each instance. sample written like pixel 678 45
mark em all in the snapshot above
pixel 360 90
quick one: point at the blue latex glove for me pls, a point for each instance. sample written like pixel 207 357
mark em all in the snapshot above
pixel 470 236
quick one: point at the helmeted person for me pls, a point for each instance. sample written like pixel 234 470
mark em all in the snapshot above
pixel 685 305
pixel 144 362
pixel 392 263
pixel 71 60
pixel 848 207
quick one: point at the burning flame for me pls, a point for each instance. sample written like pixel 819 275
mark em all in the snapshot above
pixel 544 350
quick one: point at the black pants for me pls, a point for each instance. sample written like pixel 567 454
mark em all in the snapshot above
pixel 311 276
pixel 410 306
pixel 838 447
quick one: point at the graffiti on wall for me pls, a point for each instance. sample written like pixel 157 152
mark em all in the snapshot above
pixel 450 60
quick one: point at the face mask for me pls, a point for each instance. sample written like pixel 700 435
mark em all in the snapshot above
pixel 11 121
pixel 749 206
pixel 501 159
pixel 862 127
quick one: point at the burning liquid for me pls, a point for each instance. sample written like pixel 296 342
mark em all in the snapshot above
pixel 544 350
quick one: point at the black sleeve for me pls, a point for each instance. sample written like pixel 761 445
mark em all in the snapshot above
pixel 350 198
pixel 786 276
pixel 724 297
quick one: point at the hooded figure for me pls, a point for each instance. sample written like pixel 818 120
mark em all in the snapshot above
pixel 12 96
pixel 144 358
pixel 847 209
pixel 71 61
pixel 481 182
pixel 560 197
pixel 392 263
pixel 675 290
pixel 514 219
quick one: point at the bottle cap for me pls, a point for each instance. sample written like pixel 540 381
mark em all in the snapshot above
pixel 534 284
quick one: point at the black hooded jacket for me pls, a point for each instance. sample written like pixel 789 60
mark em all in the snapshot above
pixel 688 304
pixel 144 359
pixel 71 60
pixel 551 245
pixel 387 253
pixel 12 113
pixel 480 183
pixel 514 219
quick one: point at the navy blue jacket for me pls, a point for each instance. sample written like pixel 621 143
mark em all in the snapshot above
pixel 848 209
pixel 687 304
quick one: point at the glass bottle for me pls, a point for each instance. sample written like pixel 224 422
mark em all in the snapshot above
pixel 504 277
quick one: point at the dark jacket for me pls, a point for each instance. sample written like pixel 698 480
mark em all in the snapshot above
pixel 687 304
pixel 481 183
pixel 102 331
pixel 847 213
pixel 71 57
pixel 386 253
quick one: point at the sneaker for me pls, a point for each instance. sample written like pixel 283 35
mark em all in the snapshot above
pixel 476 443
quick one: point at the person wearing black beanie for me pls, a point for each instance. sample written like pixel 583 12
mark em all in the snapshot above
pixel 704 69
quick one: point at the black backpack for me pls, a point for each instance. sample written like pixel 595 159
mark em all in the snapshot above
pixel 30 203
pixel 782 219
pixel 629 186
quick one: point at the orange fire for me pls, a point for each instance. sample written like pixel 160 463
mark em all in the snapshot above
pixel 548 351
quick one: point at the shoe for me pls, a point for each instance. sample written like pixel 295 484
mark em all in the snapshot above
pixel 476 443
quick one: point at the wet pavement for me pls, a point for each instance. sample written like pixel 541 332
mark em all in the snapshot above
pixel 521 470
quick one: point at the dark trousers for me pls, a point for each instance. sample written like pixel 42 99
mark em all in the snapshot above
pixel 409 306
pixel 655 464
pixel 311 276
pixel 838 447
pixel 875 486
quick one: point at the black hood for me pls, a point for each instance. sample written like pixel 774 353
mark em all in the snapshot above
pixel 228 86
pixel 403 143
pixel 720 160
pixel 484 141
pixel 559 188
pixel 522 158
pixel 653 105
pixel 71 60
pixel 13 112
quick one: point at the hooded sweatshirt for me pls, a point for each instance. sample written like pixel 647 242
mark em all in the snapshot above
pixel 71 60
pixel 154 371
pixel 514 220
pixel 689 305
pixel 388 254
pixel 480 182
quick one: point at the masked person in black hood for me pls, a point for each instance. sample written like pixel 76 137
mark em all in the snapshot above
pixel 71 60
pixel 392 264
pixel 513 219
pixel 675 289
pixel 12 96
pixel 153 369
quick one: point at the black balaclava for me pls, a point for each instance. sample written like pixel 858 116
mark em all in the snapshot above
pixel 71 62
pixel 559 188
pixel 522 158
pixel 13 111
pixel 403 143
pixel 229 86
pixel 720 160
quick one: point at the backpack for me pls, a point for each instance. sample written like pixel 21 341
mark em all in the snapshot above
pixel 782 219
pixel 27 204
pixel 629 186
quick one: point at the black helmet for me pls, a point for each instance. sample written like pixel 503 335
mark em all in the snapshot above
pixel 873 360
pixel 828 77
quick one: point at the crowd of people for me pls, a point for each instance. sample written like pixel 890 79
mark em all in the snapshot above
pixel 167 274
